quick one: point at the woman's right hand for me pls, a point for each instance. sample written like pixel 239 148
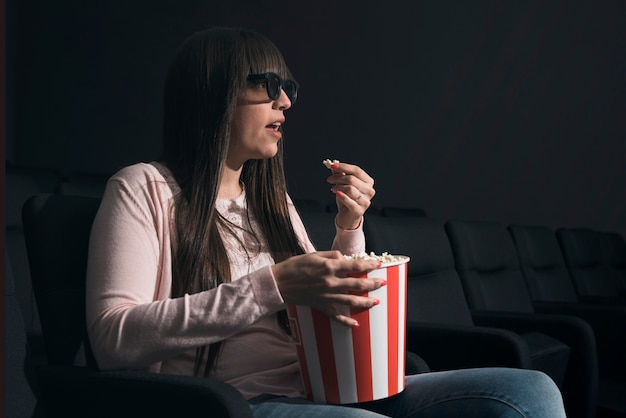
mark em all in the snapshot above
pixel 320 280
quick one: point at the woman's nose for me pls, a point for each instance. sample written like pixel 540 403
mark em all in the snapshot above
pixel 283 102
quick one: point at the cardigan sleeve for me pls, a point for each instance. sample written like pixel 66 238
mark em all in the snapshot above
pixel 350 241
pixel 132 320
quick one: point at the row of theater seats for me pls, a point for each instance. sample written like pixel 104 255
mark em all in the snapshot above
pixel 486 294
pixel 476 297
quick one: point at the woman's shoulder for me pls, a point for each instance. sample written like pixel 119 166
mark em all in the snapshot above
pixel 149 177
pixel 141 174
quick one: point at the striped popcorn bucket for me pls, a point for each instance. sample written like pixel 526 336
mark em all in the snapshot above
pixel 340 364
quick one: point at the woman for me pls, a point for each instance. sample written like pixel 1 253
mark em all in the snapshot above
pixel 192 259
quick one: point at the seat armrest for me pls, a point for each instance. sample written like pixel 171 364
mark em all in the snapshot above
pixel 415 364
pixel 609 326
pixel 598 316
pixel 570 330
pixel 73 391
pixel 566 328
pixel 447 347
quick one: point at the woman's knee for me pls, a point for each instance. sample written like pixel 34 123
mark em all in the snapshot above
pixel 533 391
pixel 543 386
pixel 527 393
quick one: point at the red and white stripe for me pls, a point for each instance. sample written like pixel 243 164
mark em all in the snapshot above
pixel 345 365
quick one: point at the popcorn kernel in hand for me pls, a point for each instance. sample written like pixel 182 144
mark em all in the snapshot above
pixel 328 163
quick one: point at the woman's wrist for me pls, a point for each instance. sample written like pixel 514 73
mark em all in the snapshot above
pixel 349 225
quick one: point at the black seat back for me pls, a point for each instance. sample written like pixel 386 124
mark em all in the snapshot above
pixel 486 261
pixel 542 264
pixel 434 291
pixel 56 230
pixel 616 250
pixel 20 397
pixel 587 261
pixel 19 188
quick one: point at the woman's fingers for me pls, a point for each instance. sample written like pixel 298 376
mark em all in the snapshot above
pixel 354 285
pixel 321 280
pixel 340 310
pixel 345 169
pixel 354 189
pixel 346 174
pixel 352 301
pixel 346 320
pixel 354 199
pixel 352 186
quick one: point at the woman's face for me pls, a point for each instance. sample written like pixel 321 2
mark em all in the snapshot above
pixel 256 127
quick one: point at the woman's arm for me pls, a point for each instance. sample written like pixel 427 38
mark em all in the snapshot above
pixel 132 321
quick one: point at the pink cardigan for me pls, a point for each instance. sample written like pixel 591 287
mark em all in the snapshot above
pixel 134 323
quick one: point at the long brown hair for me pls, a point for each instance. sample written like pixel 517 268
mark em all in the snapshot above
pixel 201 88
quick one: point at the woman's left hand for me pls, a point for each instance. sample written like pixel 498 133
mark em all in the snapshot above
pixel 354 191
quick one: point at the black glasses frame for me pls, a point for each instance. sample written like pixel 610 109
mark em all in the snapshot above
pixel 274 84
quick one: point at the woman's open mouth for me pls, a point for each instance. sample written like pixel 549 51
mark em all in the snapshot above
pixel 274 129
pixel 275 126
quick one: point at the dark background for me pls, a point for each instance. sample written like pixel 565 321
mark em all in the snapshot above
pixel 512 111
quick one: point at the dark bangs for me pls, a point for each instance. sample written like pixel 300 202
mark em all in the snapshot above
pixel 260 55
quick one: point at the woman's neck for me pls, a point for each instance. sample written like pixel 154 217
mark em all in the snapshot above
pixel 230 186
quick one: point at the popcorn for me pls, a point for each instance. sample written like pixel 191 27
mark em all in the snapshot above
pixel 328 162
pixel 384 258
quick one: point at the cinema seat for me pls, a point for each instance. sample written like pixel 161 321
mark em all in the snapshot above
pixel 615 245
pixel 57 229
pixel 587 261
pixel 486 260
pixel 552 291
pixel 439 323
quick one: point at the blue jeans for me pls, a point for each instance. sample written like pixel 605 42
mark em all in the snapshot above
pixel 480 393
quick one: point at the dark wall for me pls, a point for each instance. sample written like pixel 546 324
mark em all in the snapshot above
pixel 513 111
